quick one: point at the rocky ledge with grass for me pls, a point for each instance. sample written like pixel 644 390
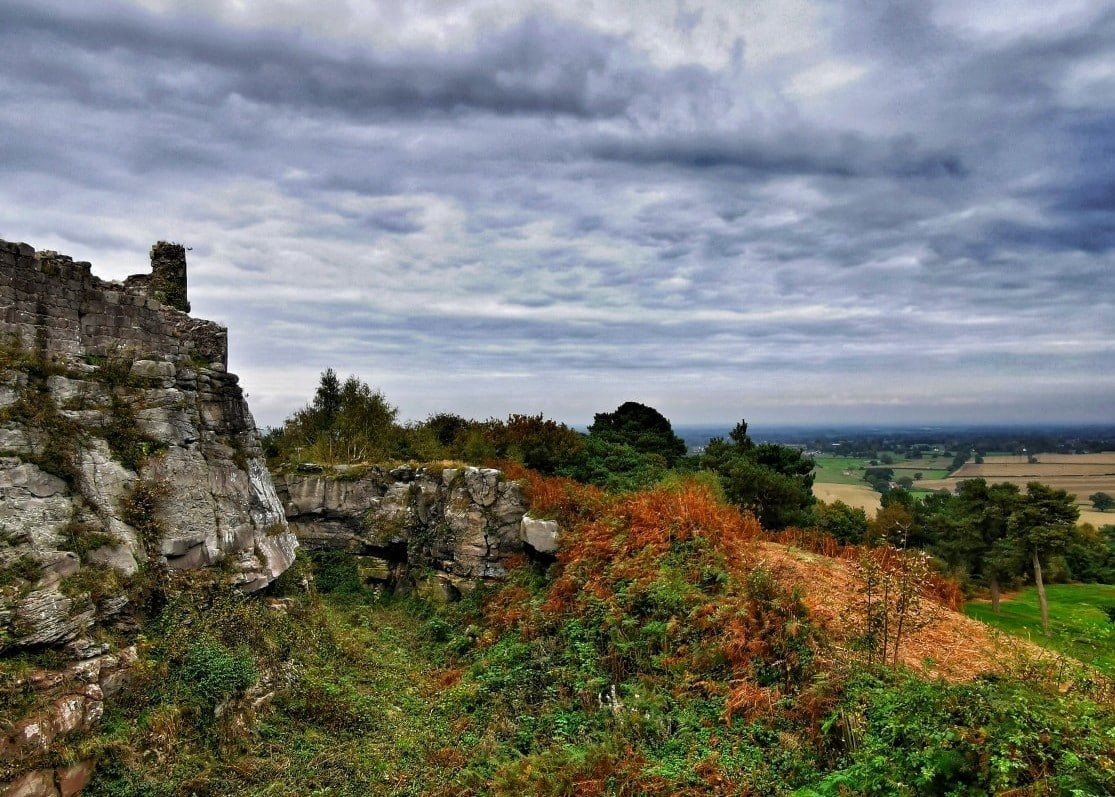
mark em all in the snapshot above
pixel 127 454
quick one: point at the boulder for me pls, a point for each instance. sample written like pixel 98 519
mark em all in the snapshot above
pixel 461 522
pixel 541 535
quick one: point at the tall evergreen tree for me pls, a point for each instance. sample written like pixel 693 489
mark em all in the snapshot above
pixel 1044 523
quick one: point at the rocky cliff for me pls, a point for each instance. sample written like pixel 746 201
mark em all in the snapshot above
pixel 437 530
pixel 126 451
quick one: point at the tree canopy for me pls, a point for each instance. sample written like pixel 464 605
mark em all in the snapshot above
pixel 642 428
pixel 1101 502
pixel 775 482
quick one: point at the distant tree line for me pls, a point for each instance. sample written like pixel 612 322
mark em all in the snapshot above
pixel 987 536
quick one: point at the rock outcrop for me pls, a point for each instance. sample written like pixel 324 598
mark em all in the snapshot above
pixel 126 450
pixel 440 531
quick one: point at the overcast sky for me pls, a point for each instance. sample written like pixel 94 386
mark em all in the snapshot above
pixel 792 211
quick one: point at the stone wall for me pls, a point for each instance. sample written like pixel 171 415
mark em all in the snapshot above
pixel 438 530
pixel 54 306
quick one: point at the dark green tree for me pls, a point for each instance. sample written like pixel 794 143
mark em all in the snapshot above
pixel 447 428
pixel 537 442
pixel 774 482
pixel 643 428
pixel 1101 502
pixel 846 524
pixel 615 466
pixel 344 422
pixel 327 399
pixel 968 532
pixel 879 478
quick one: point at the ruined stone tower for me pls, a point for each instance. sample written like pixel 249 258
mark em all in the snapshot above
pixel 168 275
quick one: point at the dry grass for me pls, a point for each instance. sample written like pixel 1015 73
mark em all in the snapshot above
pixel 1102 458
pixel 1097 519
pixel 950 646
pixel 1035 470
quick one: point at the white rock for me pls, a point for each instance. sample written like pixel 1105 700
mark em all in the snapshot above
pixel 541 535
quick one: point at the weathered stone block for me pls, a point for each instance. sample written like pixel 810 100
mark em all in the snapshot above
pixel 541 535
pixel 71 780
pixel 152 369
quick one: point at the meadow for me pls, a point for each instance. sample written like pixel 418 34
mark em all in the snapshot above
pixel 839 470
pixel 1080 625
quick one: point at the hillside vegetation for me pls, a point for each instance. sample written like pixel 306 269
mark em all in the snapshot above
pixel 1082 620
pixel 706 628
pixel 670 650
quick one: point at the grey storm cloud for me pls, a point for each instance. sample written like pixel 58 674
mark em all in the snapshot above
pixel 536 67
pixel 488 208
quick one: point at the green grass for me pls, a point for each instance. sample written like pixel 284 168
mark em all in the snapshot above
pixel 830 470
pixel 1080 626
pixel 364 715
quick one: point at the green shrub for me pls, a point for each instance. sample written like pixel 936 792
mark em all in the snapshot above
pixel 130 447
pixel 141 512
pixel 211 673
pixel 913 737
pixel 57 454
pixel 83 537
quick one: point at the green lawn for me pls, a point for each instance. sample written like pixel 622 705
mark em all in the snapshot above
pixel 1081 628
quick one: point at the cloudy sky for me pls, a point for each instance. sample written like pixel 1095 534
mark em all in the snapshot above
pixel 793 211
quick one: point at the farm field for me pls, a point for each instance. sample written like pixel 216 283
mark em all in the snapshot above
pixel 855 495
pixel 841 478
pixel 908 469
pixel 925 464
pixel 839 470
pixel 1080 625
pixel 1079 474
pixel 1097 519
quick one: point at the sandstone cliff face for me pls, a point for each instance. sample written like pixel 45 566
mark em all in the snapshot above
pixel 125 447
pixel 438 530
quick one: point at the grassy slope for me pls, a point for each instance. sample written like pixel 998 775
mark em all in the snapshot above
pixel 1080 627
pixel 365 716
